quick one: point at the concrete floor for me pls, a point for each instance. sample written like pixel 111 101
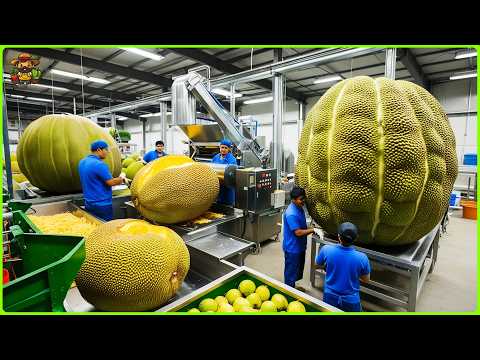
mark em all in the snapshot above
pixel 451 287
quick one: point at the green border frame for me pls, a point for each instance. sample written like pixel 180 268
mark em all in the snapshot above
pixel 477 47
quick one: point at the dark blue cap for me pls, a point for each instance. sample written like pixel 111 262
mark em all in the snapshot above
pixel 348 232
pixel 226 142
pixel 99 144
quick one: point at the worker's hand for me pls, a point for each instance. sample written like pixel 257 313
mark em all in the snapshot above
pixel 319 232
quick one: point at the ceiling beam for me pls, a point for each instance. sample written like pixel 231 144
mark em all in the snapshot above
pixel 40 109
pixel 66 99
pixel 408 59
pixel 99 65
pixel 110 94
pixel 228 68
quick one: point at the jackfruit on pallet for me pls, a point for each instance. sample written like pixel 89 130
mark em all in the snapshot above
pixel 379 153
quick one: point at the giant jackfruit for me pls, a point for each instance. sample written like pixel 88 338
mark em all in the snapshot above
pixel 131 265
pixel 381 154
pixel 174 188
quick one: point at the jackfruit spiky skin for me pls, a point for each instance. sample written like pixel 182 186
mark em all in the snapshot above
pixel 381 154
pixel 131 265
pixel 173 189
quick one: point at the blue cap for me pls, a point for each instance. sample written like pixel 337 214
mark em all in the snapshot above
pixel 99 144
pixel 226 142
pixel 348 232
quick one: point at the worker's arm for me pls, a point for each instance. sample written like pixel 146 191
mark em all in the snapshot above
pixel 321 259
pixel 365 270
pixel 365 278
pixel 303 232
pixel 115 181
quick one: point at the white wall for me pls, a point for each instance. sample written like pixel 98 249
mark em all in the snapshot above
pixel 453 96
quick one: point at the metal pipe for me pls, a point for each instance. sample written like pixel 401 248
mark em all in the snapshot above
pixel 74 106
pixel 6 150
pixel 390 63
pixel 319 57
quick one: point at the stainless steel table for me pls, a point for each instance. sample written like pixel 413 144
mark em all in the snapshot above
pixel 398 274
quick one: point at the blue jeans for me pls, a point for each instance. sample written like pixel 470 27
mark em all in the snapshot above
pixel 294 264
pixel 344 303
pixel 104 212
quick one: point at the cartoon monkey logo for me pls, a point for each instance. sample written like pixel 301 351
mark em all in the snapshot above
pixel 25 69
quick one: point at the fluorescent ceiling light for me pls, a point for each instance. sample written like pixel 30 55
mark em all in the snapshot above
pixel 328 79
pixel 260 100
pixel 77 76
pixel 121 118
pixel 144 53
pixel 225 92
pixel 155 114
pixel 39 99
pixel 16 96
pixel 50 87
pixel 463 76
pixel 466 54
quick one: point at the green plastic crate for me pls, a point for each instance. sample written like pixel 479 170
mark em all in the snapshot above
pixel 49 265
pixel 233 284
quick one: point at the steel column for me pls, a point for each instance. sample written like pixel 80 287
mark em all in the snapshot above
pixel 113 123
pixel 163 117
pixel 6 149
pixel 232 99
pixel 390 63
pixel 278 94
pixel 301 118
pixel 144 135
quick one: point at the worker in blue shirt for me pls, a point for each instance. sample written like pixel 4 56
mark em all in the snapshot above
pixel 155 154
pixel 226 194
pixel 345 268
pixel 97 181
pixel 295 232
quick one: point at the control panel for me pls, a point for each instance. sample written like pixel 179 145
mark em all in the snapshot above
pixel 254 188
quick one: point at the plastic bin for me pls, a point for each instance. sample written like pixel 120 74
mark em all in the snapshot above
pixel 49 265
pixel 469 209
pixel 470 159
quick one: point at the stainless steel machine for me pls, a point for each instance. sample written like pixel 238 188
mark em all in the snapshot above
pixel 255 185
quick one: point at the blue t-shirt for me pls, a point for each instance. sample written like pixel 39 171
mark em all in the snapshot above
pixel 344 266
pixel 226 195
pixel 93 174
pixel 294 219
pixel 153 155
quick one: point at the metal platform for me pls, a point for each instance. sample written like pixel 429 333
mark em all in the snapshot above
pixel 398 273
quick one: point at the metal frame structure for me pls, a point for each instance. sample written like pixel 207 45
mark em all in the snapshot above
pixel 412 263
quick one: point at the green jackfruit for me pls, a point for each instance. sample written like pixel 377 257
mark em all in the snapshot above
pixel 379 153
